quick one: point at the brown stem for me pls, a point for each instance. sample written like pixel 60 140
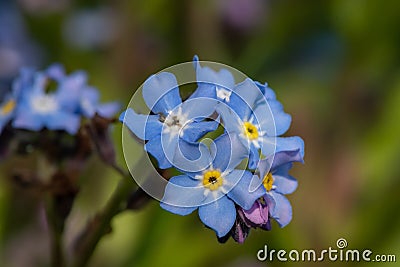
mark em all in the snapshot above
pixel 56 228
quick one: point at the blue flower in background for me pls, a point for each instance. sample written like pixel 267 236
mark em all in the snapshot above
pixel 56 101
pixel 38 109
pixel 89 104
pixel 16 47
pixel 211 183
pixel 171 120
pixel 82 98
pixel 276 181
pixel 81 28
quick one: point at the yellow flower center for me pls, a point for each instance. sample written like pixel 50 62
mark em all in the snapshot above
pixel 8 107
pixel 268 181
pixel 250 130
pixel 212 179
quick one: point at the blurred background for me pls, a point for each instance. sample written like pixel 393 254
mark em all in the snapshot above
pixel 335 65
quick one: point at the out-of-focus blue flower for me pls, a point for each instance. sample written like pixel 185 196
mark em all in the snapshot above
pixel 276 181
pixel 56 101
pixel 81 28
pixel 89 104
pixel 16 47
pixel 257 123
pixel 83 99
pixel 211 183
pixel 172 119
pixel 38 109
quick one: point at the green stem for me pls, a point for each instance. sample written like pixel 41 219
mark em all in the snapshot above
pixel 101 223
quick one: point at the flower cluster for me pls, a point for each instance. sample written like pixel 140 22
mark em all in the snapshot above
pixel 53 100
pixel 237 182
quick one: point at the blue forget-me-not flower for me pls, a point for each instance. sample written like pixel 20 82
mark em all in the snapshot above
pixel 240 180
pixel 212 184
pixel 171 119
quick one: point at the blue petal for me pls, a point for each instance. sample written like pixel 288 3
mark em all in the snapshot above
pixel 243 98
pixel 201 107
pixel 231 121
pixel 282 169
pixel 223 77
pixel 161 93
pixel 268 93
pixel 28 121
pixel 63 121
pixel 254 157
pixel 263 116
pixel 38 84
pixel 228 152
pixel 177 210
pixel 183 192
pixel 73 83
pixel 108 110
pixel 264 166
pixel 169 146
pixel 70 89
pixel 241 193
pixel 204 90
pixel 272 120
pixel 144 127
pixel 285 157
pixel 282 210
pixel 91 94
pixel 239 107
pixel 248 91
pixel 153 146
pixel 282 119
pixel 88 101
pixel 56 71
pixel 191 158
pixel 219 215
pixel 195 130
pixel 290 143
pixel 284 184
pixel 272 145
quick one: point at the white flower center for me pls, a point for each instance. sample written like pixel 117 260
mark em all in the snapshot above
pixel 44 104
pixel 174 122
pixel 224 94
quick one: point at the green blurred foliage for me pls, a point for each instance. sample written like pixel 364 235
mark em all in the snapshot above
pixel 335 67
